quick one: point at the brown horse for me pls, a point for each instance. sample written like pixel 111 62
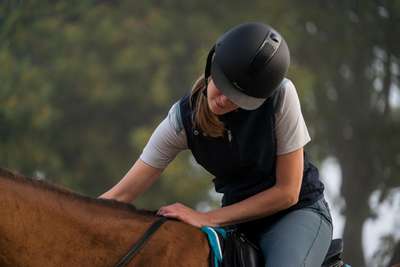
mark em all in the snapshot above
pixel 43 225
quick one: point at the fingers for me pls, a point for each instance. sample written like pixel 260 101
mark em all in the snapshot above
pixel 177 211
pixel 171 214
pixel 171 208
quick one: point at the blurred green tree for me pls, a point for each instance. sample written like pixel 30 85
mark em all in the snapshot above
pixel 85 84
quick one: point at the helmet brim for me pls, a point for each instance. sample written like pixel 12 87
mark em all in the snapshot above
pixel 232 92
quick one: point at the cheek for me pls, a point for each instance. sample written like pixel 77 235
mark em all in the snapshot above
pixel 211 95
pixel 209 101
pixel 210 90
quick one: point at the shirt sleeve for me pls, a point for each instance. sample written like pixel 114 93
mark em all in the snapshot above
pixel 168 139
pixel 291 130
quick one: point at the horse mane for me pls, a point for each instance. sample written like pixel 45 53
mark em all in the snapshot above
pixel 45 185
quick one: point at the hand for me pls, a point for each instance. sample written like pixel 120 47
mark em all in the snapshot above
pixel 186 214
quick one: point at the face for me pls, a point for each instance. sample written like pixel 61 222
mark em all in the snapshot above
pixel 218 103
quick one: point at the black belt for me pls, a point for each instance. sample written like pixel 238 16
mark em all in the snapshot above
pixel 139 244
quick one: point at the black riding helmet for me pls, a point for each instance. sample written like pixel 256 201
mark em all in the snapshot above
pixel 248 63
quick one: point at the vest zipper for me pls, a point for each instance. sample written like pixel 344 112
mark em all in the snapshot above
pixel 229 136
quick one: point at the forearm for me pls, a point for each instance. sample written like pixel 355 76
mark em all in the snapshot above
pixel 282 195
pixel 260 205
pixel 138 179
pixel 122 192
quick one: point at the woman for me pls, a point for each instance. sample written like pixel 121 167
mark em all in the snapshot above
pixel 243 123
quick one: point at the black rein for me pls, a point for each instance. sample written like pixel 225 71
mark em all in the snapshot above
pixel 140 243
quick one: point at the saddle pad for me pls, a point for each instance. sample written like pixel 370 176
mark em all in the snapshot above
pixel 215 236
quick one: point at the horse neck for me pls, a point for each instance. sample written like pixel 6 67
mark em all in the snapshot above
pixel 36 220
pixel 40 227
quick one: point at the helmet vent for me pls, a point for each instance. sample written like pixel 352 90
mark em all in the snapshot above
pixel 266 51
pixel 274 37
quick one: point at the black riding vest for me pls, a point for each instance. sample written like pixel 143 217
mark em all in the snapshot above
pixel 243 161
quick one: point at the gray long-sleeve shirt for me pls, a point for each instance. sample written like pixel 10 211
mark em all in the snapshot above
pixel 169 138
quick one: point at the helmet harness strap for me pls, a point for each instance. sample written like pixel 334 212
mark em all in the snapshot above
pixel 207 71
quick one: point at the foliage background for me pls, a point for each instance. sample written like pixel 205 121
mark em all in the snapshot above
pixel 84 84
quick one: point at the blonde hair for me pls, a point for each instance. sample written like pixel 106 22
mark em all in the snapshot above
pixel 204 119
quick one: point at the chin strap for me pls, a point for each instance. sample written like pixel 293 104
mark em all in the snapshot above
pixel 207 71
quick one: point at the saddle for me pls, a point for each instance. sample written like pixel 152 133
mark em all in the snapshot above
pixel 334 257
pixel 231 248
